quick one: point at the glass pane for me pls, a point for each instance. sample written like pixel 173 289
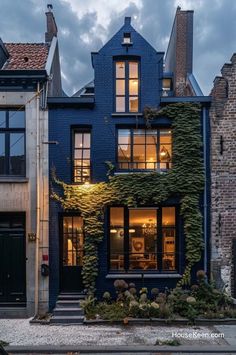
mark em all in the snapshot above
pixel 139 153
pixel 166 84
pixel 120 87
pixel 4 221
pixel 120 104
pixel 133 104
pixel 2 119
pixel 169 247
pixel 116 238
pixel 2 153
pixel 139 136
pixel 86 154
pixel 16 119
pixel 67 224
pixel 78 140
pixel 151 136
pixel 124 153
pixel 133 87
pixel 124 136
pixel 165 153
pixel 78 153
pixel 73 241
pixel 120 69
pixel 168 216
pixel 151 153
pixel 133 70
pixel 17 153
pixel 165 136
pixel 86 143
pixel 142 239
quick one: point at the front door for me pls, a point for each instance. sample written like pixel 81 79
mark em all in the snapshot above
pixel 12 260
pixel 72 242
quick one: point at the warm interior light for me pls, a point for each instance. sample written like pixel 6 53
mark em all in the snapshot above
pixel 131 230
pixel 113 231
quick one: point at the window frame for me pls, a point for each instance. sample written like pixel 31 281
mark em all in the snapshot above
pixel 126 78
pixel 7 131
pixel 82 130
pixel 131 163
pixel 159 242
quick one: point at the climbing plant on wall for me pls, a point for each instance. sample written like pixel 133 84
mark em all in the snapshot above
pixel 185 180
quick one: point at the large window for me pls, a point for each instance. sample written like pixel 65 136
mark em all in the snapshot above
pixel 142 149
pixel 127 86
pixel 143 239
pixel 12 142
pixel 82 163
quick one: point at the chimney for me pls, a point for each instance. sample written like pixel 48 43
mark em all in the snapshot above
pixel 51 25
pixel 179 55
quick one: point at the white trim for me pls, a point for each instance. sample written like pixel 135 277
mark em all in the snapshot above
pixel 51 53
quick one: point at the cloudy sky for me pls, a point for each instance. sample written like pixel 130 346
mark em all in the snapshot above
pixel 85 25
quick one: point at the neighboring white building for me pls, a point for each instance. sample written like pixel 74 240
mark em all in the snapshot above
pixel 29 72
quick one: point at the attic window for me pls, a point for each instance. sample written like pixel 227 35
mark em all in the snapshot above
pixel 127 38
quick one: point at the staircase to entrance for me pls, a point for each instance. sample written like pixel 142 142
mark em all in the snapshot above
pixel 68 309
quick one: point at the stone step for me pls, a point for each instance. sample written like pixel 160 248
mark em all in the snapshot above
pixel 68 303
pixel 68 311
pixel 70 296
pixel 67 320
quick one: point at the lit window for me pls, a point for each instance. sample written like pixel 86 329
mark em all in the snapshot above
pixel 143 239
pixel 127 86
pixel 127 38
pixel 142 149
pixel 82 163
pixel 12 142
pixel 73 241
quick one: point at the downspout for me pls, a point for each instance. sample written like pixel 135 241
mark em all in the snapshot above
pixel 36 295
pixel 205 223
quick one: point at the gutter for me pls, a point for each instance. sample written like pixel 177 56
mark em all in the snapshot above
pixel 36 295
pixel 205 220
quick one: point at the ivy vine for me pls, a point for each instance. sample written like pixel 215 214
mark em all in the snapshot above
pixel 185 180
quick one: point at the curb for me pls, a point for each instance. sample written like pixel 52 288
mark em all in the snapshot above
pixel 120 349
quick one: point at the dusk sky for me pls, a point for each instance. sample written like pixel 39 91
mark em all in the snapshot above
pixel 84 26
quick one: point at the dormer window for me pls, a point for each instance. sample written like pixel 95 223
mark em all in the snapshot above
pixel 127 86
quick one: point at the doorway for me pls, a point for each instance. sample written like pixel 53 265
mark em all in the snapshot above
pixel 12 260
pixel 71 254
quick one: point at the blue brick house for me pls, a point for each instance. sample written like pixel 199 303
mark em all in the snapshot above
pixel 103 122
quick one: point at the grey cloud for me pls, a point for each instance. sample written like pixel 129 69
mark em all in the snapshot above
pixel 214 33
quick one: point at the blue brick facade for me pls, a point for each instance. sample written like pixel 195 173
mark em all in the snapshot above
pixel 103 124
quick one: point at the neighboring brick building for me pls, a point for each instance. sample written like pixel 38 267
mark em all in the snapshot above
pixel 223 177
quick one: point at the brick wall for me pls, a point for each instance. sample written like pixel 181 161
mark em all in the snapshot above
pixel 223 175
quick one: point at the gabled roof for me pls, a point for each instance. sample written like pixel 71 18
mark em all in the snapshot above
pixel 26 56
pixel 86 91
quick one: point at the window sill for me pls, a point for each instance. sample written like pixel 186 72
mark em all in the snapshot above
pixel 12 179
pixel 140 172
pixel 127 114
pixel 143 275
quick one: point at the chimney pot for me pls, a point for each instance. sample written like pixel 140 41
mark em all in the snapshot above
pixel 127 21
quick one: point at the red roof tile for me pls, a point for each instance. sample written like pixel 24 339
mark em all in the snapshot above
pixel 26 56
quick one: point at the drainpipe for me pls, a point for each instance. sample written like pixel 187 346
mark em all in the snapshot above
pixel 205 188
pixel 36 294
